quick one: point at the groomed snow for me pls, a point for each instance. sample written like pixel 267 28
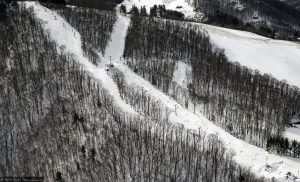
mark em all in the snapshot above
pixel 279 58
pixel 115 47
pixel 186 8
pixel 66 36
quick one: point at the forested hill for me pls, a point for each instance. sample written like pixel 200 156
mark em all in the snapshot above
pixel 99 4
pixel 270 18
pixel 93 95
pixel 294 3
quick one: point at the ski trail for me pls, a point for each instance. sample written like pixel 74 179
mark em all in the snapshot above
pixel 69 39
pixel 246 154
pixel 115 48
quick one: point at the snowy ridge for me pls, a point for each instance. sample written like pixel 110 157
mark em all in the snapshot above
pixel 69 39
pixel 245 154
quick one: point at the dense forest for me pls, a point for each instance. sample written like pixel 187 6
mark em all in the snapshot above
pixel 270 18
pixel 293 3
pixel 94 26
pixel 250 105
pixel 59 123
pixel 97 4
pixel 155 11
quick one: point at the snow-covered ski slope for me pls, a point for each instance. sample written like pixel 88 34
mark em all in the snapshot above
pixel 279 58
pixel 70 40
pixel 115 47
pixel 183 6
pixel 245 154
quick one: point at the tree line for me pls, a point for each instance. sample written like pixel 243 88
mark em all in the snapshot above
pixel 284 146
pixel 159 11
pixel 108 5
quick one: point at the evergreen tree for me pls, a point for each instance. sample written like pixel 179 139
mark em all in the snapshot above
pixel 143 11
pixel 3 7
pixel 123 9
pixel 153 11
pixel 60 2
pixel 294 148
pixel 135 11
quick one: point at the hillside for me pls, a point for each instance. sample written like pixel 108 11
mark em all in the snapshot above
pixel 115 49
pixel 278 58
pixel 93 95
pixel 73 124
pixel 275 19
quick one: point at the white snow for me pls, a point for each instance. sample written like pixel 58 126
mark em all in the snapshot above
pixel 182 74
pixel 245 154
pixel 279 58
pixel 293 133
pixel 114 50
pixel 66 36
pixel 186 7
